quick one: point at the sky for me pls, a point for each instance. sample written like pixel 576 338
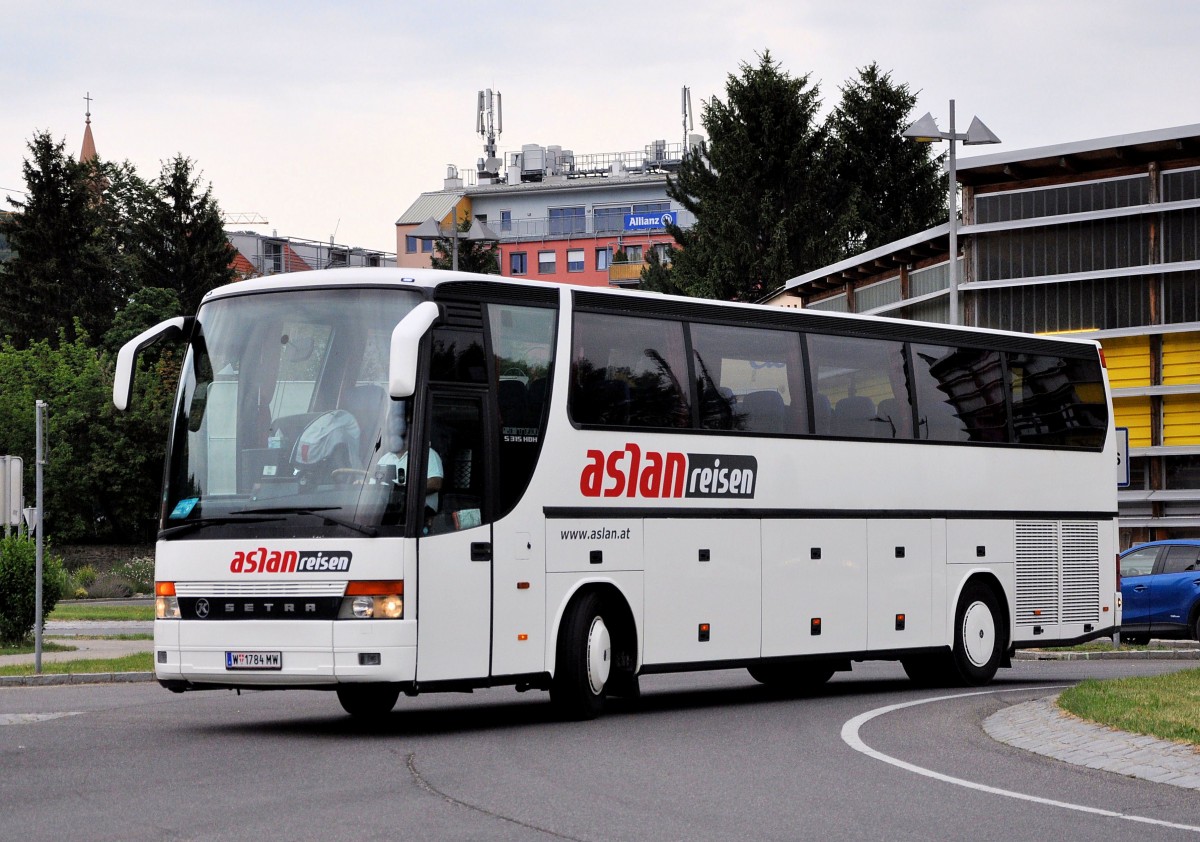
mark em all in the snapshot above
pixel 329 119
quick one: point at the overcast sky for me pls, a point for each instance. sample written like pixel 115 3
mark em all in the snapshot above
pixel 329 119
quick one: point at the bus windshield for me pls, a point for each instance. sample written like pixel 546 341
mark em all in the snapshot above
pixel 283 419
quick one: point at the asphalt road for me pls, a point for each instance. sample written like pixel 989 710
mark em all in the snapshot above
pixel 709 756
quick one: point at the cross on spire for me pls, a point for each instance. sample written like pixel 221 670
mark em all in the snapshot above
pixel 88 113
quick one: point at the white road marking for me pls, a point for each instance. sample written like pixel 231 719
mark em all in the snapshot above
pixel 26 718
pixel 851 738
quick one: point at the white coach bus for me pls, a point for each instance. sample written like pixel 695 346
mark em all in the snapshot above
pixel 612 484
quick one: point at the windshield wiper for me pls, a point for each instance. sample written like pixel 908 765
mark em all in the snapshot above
pixel 316 511
pixel 200 523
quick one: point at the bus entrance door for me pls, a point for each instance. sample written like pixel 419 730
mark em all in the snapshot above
pixel 454 551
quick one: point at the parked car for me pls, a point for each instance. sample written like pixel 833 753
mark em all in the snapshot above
pixel 1160 589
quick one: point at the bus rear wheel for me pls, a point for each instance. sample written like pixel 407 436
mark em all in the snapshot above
pixel 792 678
pixel 368 701
pixel 584 661
pixel 980 635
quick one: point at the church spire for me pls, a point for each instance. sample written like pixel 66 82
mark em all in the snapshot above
pixel 88 152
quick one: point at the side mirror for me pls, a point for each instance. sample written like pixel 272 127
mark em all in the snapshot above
pixel 127 356
pixel 196 410
pixel 406 342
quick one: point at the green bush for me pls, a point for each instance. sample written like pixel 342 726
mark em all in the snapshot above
pixel 85 576
pixel 18 586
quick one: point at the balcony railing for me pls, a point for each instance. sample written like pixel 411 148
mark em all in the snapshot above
pixel 545 227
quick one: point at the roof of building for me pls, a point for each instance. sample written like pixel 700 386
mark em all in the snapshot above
pixel 932 242
pixel 436 205
pixel 1081 156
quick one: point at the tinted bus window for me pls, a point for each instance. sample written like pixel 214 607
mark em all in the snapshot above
pixel 749 380
pixel 1057 401
pixel 960 394
pixel 860 389
pixel 628 372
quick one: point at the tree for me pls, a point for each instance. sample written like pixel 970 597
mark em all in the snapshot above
pixel 885 187
pixel 63 267
pixel 657 275
pixel 758 188
pixel 473 255
pixel 183 236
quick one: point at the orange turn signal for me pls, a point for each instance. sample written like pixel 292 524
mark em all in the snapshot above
pixel 379 588
pixel 164 589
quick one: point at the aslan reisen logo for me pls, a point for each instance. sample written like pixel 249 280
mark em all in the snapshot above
pixel 262 560
pixel 633 473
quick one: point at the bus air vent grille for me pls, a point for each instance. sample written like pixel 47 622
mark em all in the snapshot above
pixel 260 588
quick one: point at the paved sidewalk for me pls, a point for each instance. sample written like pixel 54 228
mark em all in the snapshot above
pixel 74 634
pixel 1042 727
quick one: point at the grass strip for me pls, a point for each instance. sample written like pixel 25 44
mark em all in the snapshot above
pixel 138 662
pixel 1161 706
pixel 83 611
pixel 27 647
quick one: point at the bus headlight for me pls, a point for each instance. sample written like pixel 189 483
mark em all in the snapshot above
pixel 373 601
pixel 166 604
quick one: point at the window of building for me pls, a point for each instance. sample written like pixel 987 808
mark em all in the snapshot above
pixel 633 254
pixel 663 252
pixel 1124 192
pixel 603 258
pixel 547 261
pixel 505 221
pixel 410 244
pixel 517 263
pixel 610 219
pixel 427 245
pixel 567 221
pixel 272 258
pixel 574 260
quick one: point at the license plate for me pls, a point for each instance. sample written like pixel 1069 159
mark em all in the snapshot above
pixel 253 661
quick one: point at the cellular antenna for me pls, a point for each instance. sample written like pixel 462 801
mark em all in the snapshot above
pixel 489 122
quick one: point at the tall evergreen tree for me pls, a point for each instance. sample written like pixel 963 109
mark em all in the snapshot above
pixel 885 187
pixel 758 188
pixel 183 236
pixel 63 263
pixel 473 255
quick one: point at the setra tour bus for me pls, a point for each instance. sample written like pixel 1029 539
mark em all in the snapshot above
pixel 383 481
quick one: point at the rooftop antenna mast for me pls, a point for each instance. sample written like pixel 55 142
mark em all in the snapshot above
pixel 688 124
pixel 489 122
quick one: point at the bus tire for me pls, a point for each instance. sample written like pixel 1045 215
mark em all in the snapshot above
pixel 980 635
pixel 584 660
pixel 792 678
pixel 368 701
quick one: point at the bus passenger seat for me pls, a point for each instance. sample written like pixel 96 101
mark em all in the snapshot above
pixel 763 412
pixel 852 417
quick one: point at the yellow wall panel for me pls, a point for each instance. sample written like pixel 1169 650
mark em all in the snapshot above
pixel 1128 360
pixel 1181 358
pixel 1181 420
pixel 1134 413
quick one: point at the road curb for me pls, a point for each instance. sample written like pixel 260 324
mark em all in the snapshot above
pixel 1129 655
pixel 63 679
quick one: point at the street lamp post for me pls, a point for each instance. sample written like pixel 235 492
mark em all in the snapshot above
pixel 926 130
pixel 430 229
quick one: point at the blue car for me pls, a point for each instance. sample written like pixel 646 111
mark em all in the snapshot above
pixel 1160 589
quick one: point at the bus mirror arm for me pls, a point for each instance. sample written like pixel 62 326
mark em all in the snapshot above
pixel 127 356
pixel 406 342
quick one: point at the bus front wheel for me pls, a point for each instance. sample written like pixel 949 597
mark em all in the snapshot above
pixel 584 660
pixel 980 635
pixel 368 701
